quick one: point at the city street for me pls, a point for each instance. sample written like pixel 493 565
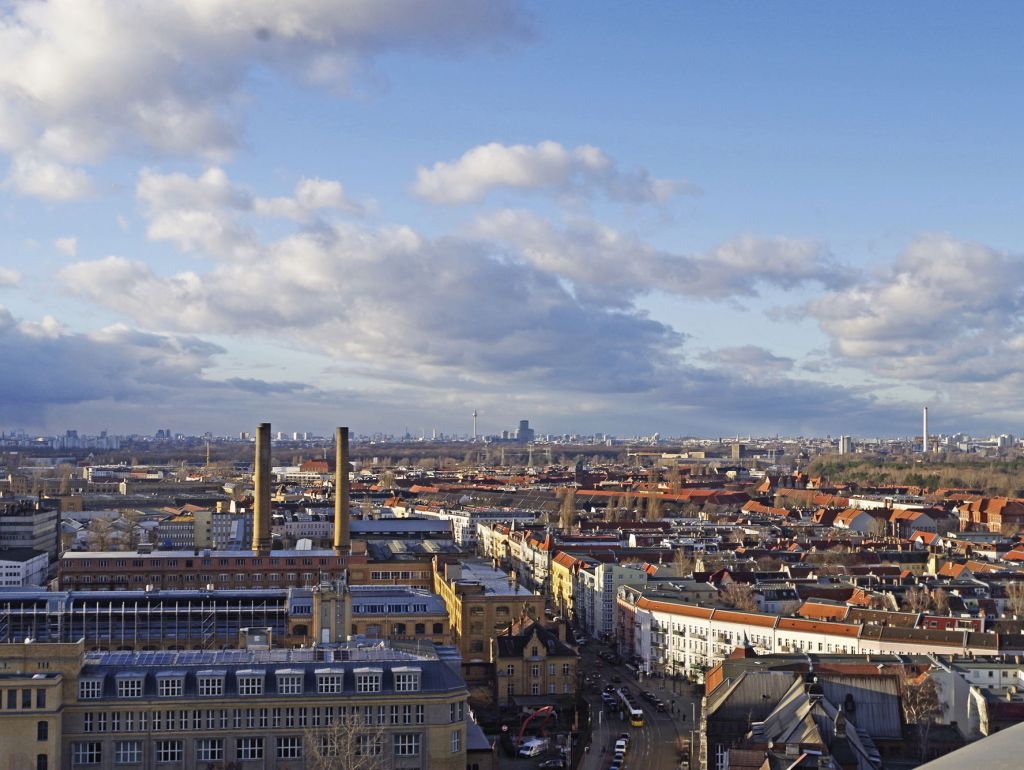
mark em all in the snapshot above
pixel 655 745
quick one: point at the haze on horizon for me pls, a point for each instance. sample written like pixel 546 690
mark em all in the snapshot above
pixel 705 219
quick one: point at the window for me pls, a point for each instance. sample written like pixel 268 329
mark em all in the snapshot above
pixel 368 745
pixel 421 629
pixel 329 683
pixel 210 685
pixel 87 688
pixel 407 681
pixel 535 671
pixel 127 752
pixel 510 669
pixel 407 744
pixel 86 753
pixel 250 684
pixel 170 687
pixel 129 688
pixel 368 681
pixel 210 749
pixel 535 688
pixel 290 684
pixel 249 748
pixel 438 628
pixel 40 698
pixel 551 688
pixel 289 747
pixel 42 762
pixel 456 741
pixel 42 730
pixel 169 751
pixel 26 699
pixel 565 669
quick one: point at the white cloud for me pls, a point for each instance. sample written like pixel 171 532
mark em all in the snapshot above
pixel 9 277
pixel 944 311
pixel 749 359
pixel 33 175
pixel 613 267
pixel 82 79
pixel 67 246
pixel 546 166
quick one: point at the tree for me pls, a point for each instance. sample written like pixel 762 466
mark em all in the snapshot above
pixel 916 599
pixel 100 534
pixel 922 708
pixel 1015 597
pixel 567 511
pixel 348 743
pixel 683 563
pixel 878 527
pixel 132 519
pixel 940 600
pixel 738 595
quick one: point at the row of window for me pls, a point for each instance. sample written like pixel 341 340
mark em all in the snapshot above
pixel 191 577
pixel 215 749
pixel 307 561
pixel 254 718
pixel 398 575
pixel 12 700
pixel 535 669
pixel 510 688
pixel 248 685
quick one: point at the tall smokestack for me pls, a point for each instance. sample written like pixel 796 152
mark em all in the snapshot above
pixel 341 493
pixel 261 541
pixel 924 432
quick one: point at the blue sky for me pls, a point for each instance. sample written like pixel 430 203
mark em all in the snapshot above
pixel 703 218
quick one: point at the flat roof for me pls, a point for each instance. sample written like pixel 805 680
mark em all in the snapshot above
pixel 213 554
pixel 493 580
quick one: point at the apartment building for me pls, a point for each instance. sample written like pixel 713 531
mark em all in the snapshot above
pixel 533 665
pixel 481 601
pixel 666 635
pixel 597 586
pixel 65 708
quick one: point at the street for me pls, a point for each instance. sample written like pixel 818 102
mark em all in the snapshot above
pixel 653 746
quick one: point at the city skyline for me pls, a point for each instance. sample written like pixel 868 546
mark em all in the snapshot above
pixel 700 220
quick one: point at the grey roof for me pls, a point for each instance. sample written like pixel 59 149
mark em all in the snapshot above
pixel 20 554
pixel 436 675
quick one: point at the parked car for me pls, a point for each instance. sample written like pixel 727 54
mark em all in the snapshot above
pixel 533 747
pixel 624 737
pixel 609 688
pixel 661 707
pixel 552 764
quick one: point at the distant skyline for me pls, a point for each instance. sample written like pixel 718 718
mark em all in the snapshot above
pixel 698 219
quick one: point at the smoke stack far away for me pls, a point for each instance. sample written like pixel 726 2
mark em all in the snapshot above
pixel 261 540
pixel 342 543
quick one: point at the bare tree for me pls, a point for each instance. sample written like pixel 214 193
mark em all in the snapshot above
pixel 738 595
pixel 653 506
pixel 922 708
pixel 683 563
pixel 567 511
pixel 916 599
pixel 878 527
pixel 940 600
pixel 1015 598
pixel 132 519
pixel 100 534
pixel 346 743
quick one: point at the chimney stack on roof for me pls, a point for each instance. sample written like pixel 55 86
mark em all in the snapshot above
pixel 261 541
pixel 342 543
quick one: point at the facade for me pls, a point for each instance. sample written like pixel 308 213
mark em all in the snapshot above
pixel 673 637
pixel 29 524
pixel 533 666
pixel 597 587
pixel 265 709
pixel 481 601
pixel 120 570
pixel 23 567
pixel 158 619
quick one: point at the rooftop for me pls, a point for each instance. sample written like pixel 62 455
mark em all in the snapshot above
pixel 494 581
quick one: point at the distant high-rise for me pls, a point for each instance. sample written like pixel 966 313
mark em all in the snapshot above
pixel 845 445
pixel 474 426
pixel 525 433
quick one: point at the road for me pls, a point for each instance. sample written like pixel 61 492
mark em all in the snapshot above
pixel 653 746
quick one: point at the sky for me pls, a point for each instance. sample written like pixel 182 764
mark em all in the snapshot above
pixel 691 218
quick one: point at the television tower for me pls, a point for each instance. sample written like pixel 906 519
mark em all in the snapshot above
pixel 474 426
pixel 924 432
